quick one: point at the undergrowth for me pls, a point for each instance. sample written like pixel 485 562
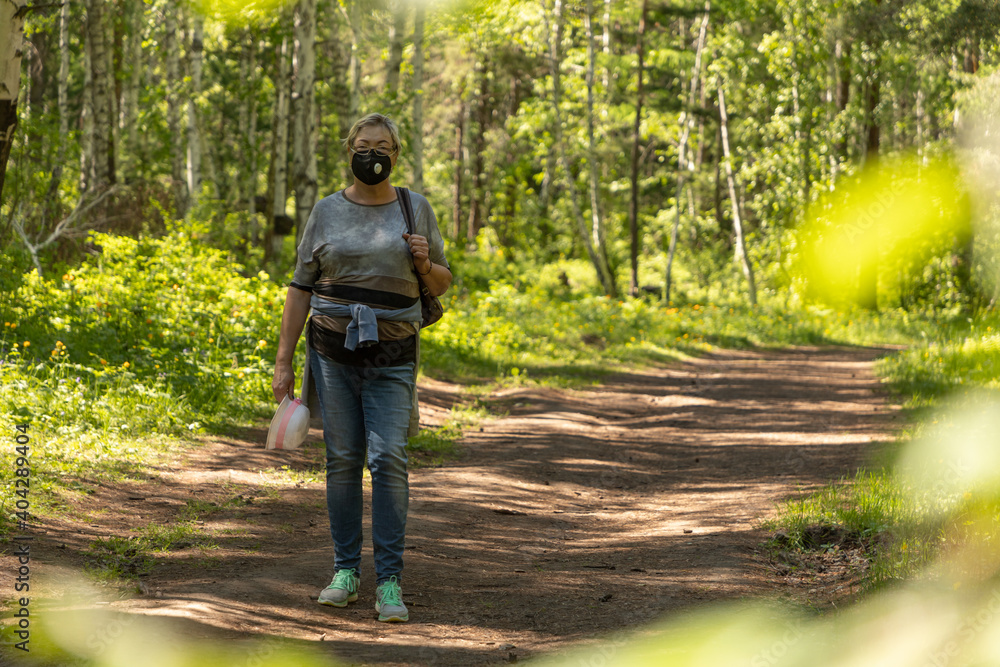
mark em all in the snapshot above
pixel 114 360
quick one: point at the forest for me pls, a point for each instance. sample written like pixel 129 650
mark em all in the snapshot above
pixel 620 184
pixel 677 148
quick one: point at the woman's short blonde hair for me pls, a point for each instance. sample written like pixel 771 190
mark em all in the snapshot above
pixel 370 120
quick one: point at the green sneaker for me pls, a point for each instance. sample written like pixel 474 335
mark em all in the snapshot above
pixel 342 590
pixel 389 602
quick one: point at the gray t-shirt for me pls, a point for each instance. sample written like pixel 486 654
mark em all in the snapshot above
pixel 360 246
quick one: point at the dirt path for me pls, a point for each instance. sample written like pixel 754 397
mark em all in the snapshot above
pixel 580 513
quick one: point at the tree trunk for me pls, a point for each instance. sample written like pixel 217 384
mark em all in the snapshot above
pixel 417 144
pixel 456 207
pixel 303 101
pixel 340 88
pixel 598 234
pixel 633 213
pixel 171 46
pixel 278 171
pixel 965 237
pixel 395 61
pixel 30 136
pixel 606 45
pixel 12 27
pixel 62 96
pixel 686 123
pixel 843 51
pixel 868 274
pixel 238 194
pixel 741 247
pixel 104 165
pixel 193 136
pixel 130 113
pixel 354 20
pixel 251 187
pixel 476 205
pixel 607 281
pixel 112 65
pixel 86 124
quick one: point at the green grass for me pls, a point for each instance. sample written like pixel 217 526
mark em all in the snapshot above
pixel 112 559
pixel 176 535
pixel 904 529
pixel 435 446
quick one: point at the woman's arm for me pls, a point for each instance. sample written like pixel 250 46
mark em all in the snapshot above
pixel 436 277
pixel 292 320
pixel 438 280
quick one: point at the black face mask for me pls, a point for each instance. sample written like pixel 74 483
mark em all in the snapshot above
pixel 371 169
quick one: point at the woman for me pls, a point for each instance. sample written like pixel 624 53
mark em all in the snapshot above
pixel 356 268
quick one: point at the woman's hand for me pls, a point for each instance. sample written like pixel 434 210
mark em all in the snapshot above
pixel 292 320
pixel 283 383
pixel 420 251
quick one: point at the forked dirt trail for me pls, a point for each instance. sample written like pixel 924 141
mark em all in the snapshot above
pixel 582 512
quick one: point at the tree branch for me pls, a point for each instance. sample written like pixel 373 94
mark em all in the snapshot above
pixel 71 219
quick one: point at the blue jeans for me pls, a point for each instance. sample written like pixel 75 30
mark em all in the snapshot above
pixel 365 408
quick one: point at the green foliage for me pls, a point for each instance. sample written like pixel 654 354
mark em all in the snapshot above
pixel 546 323
pixel 150 338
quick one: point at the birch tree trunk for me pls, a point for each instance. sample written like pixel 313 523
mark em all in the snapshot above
pixel 597 232
pixel 171 47
pixel 633 212
pixel 741 246
pixel 395 60
pixel 29 137
pixel 12 31
pixel 417 144
pixel 62 96
pixel 606 280
pixel 193 135
pixel 303 102
pixel 687 124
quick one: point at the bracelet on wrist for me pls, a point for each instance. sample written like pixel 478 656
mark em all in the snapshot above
pixel 429 268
